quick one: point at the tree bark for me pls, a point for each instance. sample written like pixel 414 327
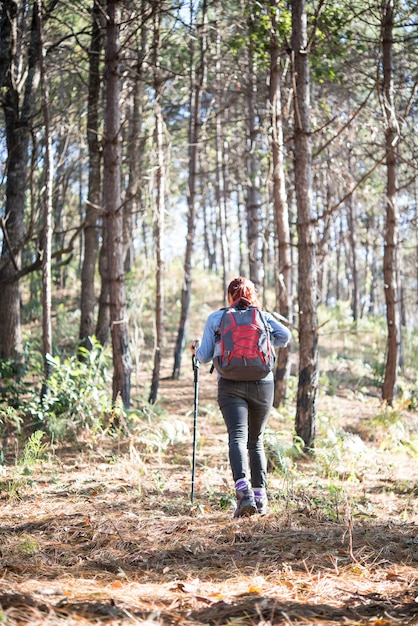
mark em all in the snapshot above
pixel 136 144
pixel 219 181
pixel 88 298
pixel 209 237
pixel 18 114
pixel 47 212
pixel 281 211
pixel 114 210
pixel 390 269
pixel 160 209
pixel 103 317
pixel 197 77
pixel 352 229
pixel 253 192
pixel 307 294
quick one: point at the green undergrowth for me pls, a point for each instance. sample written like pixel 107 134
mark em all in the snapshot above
pixel 77 408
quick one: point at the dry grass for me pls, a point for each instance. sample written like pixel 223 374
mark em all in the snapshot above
pixel 108 535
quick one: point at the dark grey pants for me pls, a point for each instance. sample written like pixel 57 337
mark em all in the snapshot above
pixel 245 408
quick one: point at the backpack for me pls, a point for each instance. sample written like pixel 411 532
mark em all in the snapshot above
pixel 243 349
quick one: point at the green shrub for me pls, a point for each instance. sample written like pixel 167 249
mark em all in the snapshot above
pixel 77 397
pixel 77 394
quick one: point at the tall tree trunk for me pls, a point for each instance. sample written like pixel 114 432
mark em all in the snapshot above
pixel 352 230
pixel 390 269
pixel 18 116
pixel 91 240
pixel 416 239
pixel 160 209
pixel 281 211
pixel 209 260
pixel 114 210
pixel 197 77
pixel 58 198
pixel 240 221
pixel 47 213
pixel 219 181
pixel 308 338
pixel 103 316
pixel 253 192
pixel 135 145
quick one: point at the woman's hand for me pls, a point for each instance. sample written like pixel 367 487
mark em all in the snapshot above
pixel 195 344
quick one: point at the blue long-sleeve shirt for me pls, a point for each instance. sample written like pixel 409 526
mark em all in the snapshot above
pixel 204 353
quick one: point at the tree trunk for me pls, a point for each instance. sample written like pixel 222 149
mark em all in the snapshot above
pixel 196 86
pixel 253 193
pixel 352 230
pixel 243 260
pixel 219 182
pixel 114 211
pixel 135 145
pixel 47 213
pixel 416 245
pixel 390 269
pixel 209 260
pixel 93 208
pixel 18 116
pixel 160 209
pixel 103 317
pixel 281 212
pixel 308 338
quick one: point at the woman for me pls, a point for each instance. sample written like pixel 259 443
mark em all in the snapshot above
pixel 245 405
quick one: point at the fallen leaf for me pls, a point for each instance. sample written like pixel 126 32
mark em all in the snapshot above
pixel 217 595
pixel 116 585
pixel 392 576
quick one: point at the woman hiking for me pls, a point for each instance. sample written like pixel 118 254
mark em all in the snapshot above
pixel 245 404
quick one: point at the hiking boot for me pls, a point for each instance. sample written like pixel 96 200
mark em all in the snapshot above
pixel 261 501
pixel 246 505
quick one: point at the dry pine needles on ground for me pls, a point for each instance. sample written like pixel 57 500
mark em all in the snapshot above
pixel 109 536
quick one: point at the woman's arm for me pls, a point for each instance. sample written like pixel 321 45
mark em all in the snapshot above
pixel 281 334
pixel 204 353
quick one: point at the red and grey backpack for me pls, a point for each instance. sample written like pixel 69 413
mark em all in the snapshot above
pixel 243 348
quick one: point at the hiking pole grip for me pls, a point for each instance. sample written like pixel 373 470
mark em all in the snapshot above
pixel 196 365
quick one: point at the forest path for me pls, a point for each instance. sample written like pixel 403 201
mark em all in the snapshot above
pixel 107 533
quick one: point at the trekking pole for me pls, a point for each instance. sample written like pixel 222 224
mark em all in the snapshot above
pixel 196 365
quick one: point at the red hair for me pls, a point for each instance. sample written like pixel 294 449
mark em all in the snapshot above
pixel 242 288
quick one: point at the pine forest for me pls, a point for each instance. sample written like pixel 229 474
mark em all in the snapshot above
pixel 151 151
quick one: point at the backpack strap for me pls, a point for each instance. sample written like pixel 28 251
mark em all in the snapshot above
pixel 224 309
pixel 217 337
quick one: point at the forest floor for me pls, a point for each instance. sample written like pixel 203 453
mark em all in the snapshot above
pixel 107 534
